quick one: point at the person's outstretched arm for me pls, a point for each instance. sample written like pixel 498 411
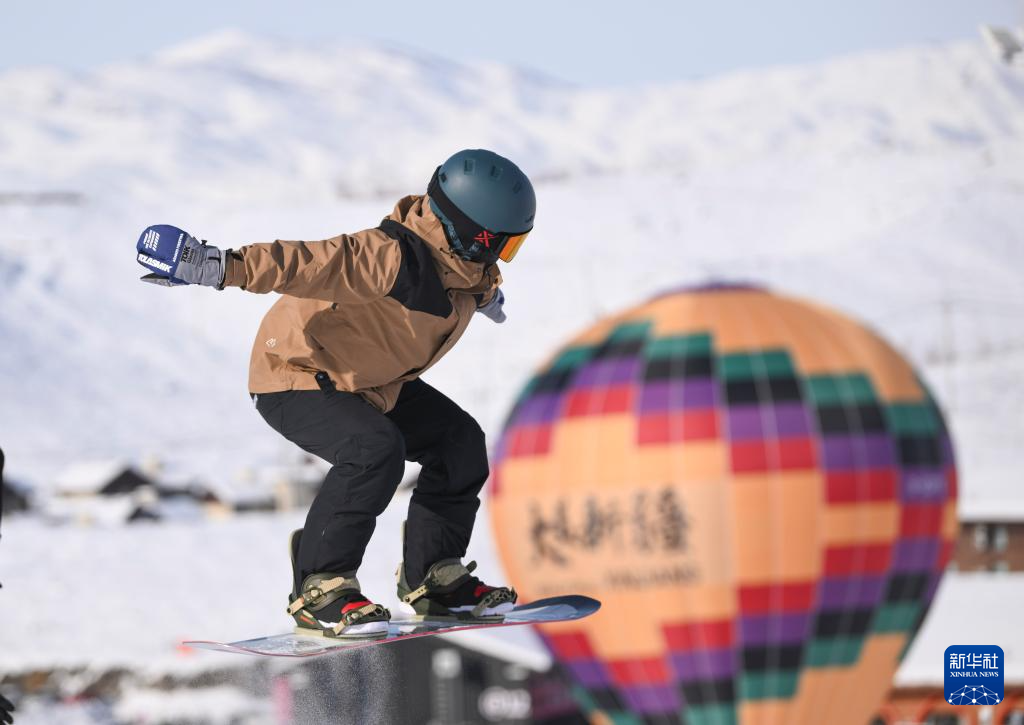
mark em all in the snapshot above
pixel 347 268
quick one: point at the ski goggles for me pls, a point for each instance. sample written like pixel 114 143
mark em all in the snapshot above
pixel 503 246
pixel 511 246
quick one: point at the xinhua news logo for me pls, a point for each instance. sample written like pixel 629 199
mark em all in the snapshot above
pixel 974 674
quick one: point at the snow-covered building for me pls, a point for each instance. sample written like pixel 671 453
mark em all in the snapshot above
pixel 14 496
pixel 183 496
pixel 113 491
pixel 101 492
pixel 991 538
pixel 99 511
pixel 99 478
pixel 281 487
pixel 188 500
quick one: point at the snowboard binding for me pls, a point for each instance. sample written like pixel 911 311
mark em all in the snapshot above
pixel 449 592
pixel 332 605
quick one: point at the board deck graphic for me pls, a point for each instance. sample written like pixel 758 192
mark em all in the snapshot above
pixel 553 609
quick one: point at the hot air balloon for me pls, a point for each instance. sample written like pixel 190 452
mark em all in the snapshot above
pixel 760 490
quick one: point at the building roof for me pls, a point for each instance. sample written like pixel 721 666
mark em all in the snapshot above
pixel 977 608
pixel 89 476
pixel 997 510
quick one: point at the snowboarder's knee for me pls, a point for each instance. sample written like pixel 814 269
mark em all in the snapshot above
pixel 467 442
pixel 465 433
pixel 381 449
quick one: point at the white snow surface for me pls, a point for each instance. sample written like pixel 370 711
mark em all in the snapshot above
pixel 104 598
pixel 889 185
pixel 223 704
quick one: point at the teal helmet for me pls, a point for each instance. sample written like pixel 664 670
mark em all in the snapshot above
pixel 485 203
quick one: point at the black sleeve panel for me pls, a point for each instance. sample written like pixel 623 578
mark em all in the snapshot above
pixel 417 285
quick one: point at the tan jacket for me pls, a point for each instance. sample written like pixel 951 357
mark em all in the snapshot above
pixel 371 309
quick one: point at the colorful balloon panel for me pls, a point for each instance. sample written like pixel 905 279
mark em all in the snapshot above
pixel 761 492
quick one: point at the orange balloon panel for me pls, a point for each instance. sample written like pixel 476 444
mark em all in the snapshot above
pixel 760 491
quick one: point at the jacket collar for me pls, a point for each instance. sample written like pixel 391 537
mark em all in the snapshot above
pixel 414 213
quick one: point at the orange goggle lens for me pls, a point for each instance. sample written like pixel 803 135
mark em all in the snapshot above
pixel 509 249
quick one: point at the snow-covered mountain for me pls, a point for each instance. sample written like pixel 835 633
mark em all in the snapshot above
pixel 235 118
pixel 890 185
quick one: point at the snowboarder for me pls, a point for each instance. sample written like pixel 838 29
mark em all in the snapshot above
pixel 336 369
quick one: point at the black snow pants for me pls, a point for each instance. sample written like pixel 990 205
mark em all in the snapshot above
pixel 367 450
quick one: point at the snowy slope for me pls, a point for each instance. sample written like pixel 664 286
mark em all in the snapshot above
pixel 888 184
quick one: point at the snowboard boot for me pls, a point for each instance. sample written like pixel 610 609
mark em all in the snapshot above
pixel 450 592
pixel 331 605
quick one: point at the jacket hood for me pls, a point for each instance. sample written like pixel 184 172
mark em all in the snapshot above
pixel 414 213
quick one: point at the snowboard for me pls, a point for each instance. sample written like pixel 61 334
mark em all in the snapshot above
pixel 554 609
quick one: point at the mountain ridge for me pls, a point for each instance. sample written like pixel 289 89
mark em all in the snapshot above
pixel 361 120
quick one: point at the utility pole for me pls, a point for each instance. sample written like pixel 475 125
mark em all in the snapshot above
pixel 949 355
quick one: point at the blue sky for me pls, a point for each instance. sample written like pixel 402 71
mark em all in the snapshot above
pixel 593 43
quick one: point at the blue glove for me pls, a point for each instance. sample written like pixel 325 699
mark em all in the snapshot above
pixel 493 309
pixel 175 257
